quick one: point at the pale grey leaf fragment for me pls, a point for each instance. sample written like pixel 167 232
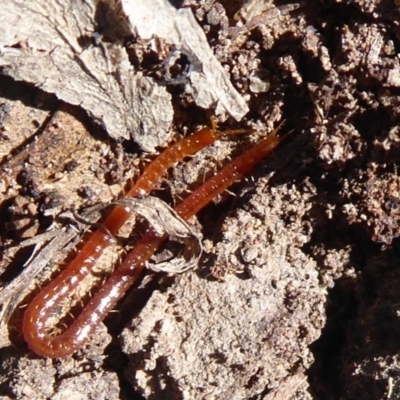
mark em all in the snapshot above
pixel 166 221
pixel 46 249
pixel 42 43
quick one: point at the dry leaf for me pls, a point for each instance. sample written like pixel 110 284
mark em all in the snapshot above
pixel 55 46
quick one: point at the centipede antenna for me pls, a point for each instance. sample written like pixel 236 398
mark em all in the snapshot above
pixel 277 129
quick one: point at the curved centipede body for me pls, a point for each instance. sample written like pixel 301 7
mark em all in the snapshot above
pixel 34 323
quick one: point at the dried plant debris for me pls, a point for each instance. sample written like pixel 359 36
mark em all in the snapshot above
pixel 46 46
pixel 165 221
pixel 43 45
pixel 57 47
pixel 47 247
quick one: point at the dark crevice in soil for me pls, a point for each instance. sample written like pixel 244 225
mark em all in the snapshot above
pixel 117 362
pixel 324 375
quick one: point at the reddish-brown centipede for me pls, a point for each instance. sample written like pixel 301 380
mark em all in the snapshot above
pixel 43 305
